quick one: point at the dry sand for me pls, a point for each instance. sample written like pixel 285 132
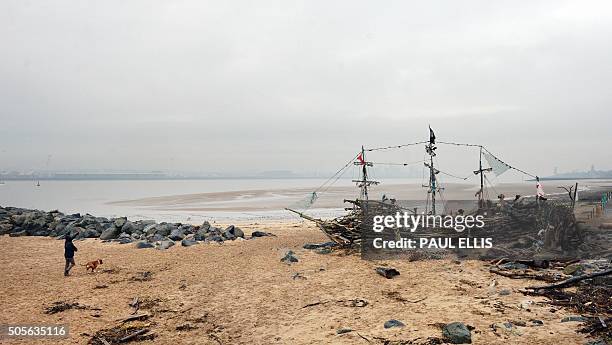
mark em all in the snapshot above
pixel 240 293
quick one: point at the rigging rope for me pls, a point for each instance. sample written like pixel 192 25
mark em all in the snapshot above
pixel 396 146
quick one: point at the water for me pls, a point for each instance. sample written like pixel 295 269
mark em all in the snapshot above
pixel 99 197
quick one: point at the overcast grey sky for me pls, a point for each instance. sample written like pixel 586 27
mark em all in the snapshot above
pixel 263 85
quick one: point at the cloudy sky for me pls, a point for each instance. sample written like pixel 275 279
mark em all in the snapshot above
pixel 265 85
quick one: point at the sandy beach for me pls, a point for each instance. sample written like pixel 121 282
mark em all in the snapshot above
pixel 240 293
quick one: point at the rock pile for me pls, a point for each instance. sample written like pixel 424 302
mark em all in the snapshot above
pixel 147 233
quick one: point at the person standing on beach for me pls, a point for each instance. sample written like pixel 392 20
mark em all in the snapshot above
pixel 69 250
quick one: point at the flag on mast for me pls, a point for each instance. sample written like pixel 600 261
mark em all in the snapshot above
pixel 432 136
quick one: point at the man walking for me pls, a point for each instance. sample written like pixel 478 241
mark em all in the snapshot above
pixel 69 250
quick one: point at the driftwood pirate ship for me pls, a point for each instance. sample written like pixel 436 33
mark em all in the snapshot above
pixel 552 221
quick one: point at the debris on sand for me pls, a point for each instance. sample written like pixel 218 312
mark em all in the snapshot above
pixel 142 276
pixel 121 334
pixel 387 272
pixel 186 327
pixel 60 306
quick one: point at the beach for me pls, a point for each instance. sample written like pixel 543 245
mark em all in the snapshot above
pixel 241 293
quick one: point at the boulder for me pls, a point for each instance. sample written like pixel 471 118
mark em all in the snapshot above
pixel 457 333
pixel 177 234
pixel 150 229
pixel 143 245
pixel 164 229
pixel 18 219
pixel 232 232
pixel 166 244
pixel 128 227
pixel 110 233
pixel 119 222
pixel 214 238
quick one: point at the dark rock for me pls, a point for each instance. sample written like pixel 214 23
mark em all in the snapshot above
pixel 164 229
pixel 260 234
pixel 457 333
pixel 393 323
pixel 110 233
pixel 143 245
pixel 124 240
pixel 214 238
pixel 166 244
pixel 232 232
pixel 188 242
pixel 537 322
pixel 177 234
pixel 323 251
pixel 387 272
pixel 319 245
pixel 289 258
pixel 150 229
pixel 128 227
pixel 343 330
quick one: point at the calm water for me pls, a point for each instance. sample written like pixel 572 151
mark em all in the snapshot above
pixel 94 196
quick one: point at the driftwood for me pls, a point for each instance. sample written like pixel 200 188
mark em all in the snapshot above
pixel 134 317
pixel 571 281
pixel 133 335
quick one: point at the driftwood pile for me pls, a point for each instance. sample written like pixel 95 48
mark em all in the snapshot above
pixel 519 226
pixel 583 287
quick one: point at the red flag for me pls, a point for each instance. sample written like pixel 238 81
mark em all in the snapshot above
pixel 360 158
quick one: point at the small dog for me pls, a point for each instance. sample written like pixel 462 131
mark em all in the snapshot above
pixel 92 265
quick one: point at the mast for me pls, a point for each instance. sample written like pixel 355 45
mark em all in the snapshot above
pixel 364 183
pixel 481 171
pixel 433 188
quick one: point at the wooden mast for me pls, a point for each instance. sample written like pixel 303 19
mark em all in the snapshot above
pixel 364 183
pixel 481 171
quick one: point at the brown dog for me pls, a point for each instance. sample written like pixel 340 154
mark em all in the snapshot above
pixel 92 265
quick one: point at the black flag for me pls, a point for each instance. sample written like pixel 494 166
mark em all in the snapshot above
pixel 432 136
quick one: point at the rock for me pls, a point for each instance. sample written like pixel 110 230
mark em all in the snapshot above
pixel 205 226
pixel 188 243
pixel 504 292
pixel 200 235
pixel 457 333
pixel 258 233
pixel 18 219
pixel 537 322
pixel 143 245
pixel 164 229
pixel 343 330
pixel 18 233
pixel 323 251
pixel 119 222
pixel 214 238
pixel 110 233
pixel 506 327
pixel 318 245
pixel 166 244
pixel 128 227
pixel 232 232
pixel 574 318
pixel 387 272
pixel 150 229
pixel 393 323
pixel 177 234
pixel 289 258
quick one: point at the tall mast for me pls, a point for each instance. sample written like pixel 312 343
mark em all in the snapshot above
pixel 433 188
pixel 364 183
pixel 481 171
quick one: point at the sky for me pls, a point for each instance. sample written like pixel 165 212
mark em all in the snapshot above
pixel 241 86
